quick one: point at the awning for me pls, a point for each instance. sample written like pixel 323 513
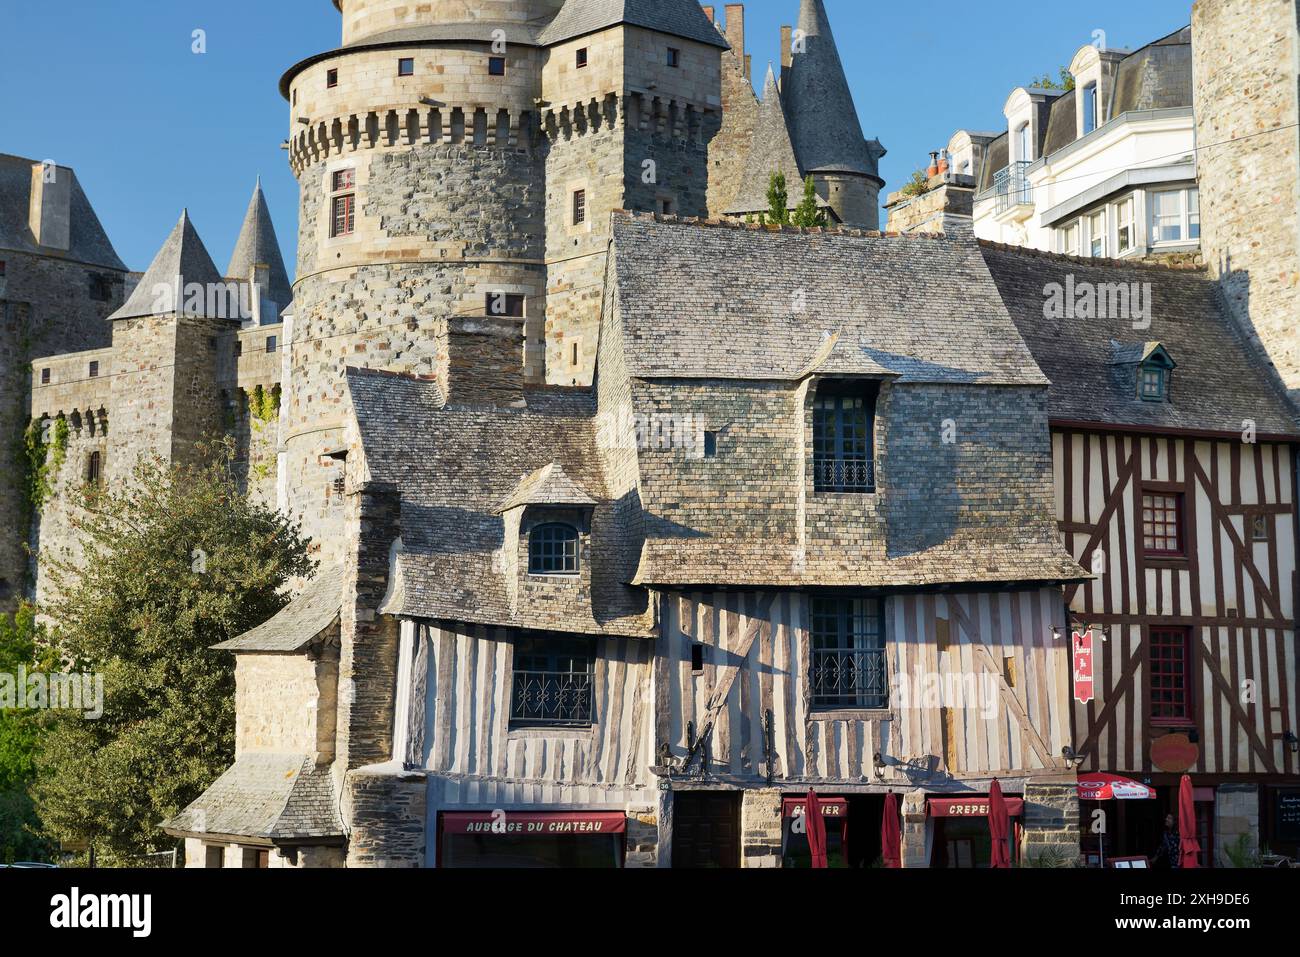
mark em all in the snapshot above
pixel 1102 786
pixel 516 823
pixel 831 807
pixel 971 806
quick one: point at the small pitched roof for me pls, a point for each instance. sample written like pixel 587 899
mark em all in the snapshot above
pixel 771 151
pixel 258 246
pixel 823 120
pixel 1135 352
pixel 182 261
pixel 679 18
pixel 549 485
pixel 268 796
pixel 87 241
pixel 298 623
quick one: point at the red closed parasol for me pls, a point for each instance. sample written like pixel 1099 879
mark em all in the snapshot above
pixel 812 816
pixel 1189 846
pixel 890 838
pixel 999 825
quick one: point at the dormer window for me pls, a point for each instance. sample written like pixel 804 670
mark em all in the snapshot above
pixel 1151 383
pixel 553 550
pixel 1153 373
pixel 844 418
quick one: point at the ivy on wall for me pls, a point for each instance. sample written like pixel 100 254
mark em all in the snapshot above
pixel 263 410
pixel 45 449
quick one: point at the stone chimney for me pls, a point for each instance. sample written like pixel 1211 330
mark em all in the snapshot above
pixel 485 361
pixel 50 212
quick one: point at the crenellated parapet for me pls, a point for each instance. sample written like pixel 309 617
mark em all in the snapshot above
pixel 411 125
pixel 668 117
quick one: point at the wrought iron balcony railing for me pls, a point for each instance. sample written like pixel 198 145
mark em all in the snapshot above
pixel 1011 186
pixel 850 473
pixel 551 699
pixel 849 678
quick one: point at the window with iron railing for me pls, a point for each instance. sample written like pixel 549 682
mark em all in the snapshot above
pixel 1012 187
pixel 848 662
pixel 844 416
pixel 553 682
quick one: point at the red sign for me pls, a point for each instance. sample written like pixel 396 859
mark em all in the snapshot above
pixel 831 807
pixel 972 807
pixel 1083 667
pixel 506 823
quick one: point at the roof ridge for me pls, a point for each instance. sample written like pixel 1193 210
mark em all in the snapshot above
pixel 732 224
pixel 1093 260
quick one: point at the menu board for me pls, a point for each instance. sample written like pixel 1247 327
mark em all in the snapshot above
pixel 1286 811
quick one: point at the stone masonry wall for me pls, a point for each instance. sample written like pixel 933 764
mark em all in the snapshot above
pixel 760 828
pixel 47 307
pixel 1051 821
pixel 439 229
pixel 285 703
pixel 386 810
pixel 1247 97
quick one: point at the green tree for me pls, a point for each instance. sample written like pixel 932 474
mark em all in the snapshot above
pixel 23 644
pixel 1045 82
pixel 808 214
pixel 778 200
pixel 174 562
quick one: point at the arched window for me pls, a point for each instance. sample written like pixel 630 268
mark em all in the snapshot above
pixel 94 468
pixel 553 550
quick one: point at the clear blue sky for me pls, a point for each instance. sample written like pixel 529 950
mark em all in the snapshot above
pixel 112 89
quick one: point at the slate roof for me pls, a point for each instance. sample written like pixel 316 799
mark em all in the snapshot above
pixel 455 466
pixel 257 246
pixel 997 156
pixel 1156 77
pixel 726 301
pixel 87 241
pixel 679 18
pixel 824 122
pixel 1062 123
pixel 703 320
pixel 298 623
pixel 276 797
pixel 182 260
pixel 549 485
pixel 1219 380
pixel 770 152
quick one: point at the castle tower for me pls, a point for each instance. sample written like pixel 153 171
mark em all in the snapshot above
pixel 770 152
pixel 257 260
pixel 824 124
pixel 632 97
pixel 1246 64
pixel 457 164
pixel 164 394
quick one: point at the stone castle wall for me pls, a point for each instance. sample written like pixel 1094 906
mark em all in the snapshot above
pixel 48 306
pixel 1247 97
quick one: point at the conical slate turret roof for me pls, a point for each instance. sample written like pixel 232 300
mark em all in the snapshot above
pixel 678 18
pixel 257 246
pixel 770 152
pixel 823 120
pixel 182 262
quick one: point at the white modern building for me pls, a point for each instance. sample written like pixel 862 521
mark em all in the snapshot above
pixel 1107 169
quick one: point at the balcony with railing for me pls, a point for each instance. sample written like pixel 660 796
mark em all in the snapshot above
pixel 1011 187
pixel 850 678
pixel 844 473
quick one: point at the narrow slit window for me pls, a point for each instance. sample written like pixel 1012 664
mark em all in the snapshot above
pixel 579 207
pixel 331 79
pixel 582 58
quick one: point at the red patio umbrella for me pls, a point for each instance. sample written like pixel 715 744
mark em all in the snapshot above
pixel 890 839
pixel 999 824
pixel 1189 846
pixel 816 826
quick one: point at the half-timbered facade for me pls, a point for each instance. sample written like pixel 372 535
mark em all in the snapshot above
pixel 1175 476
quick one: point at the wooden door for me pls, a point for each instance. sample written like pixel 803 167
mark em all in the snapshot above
pixel 706 829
